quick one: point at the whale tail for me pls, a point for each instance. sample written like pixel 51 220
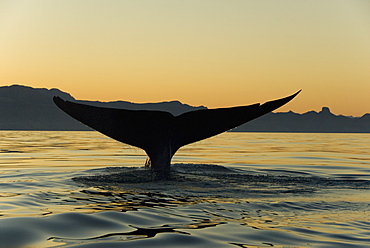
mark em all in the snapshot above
pixel 160 134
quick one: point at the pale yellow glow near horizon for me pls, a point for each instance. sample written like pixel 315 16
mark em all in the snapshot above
pixel 213 53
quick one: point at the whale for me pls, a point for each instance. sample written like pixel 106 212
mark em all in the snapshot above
pixel 161 134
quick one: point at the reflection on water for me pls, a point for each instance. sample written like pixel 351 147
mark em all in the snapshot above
pixel 81 189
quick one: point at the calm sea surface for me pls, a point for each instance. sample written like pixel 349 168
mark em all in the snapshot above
pixel 82 189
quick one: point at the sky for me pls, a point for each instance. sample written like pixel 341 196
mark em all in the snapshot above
pixel 215 53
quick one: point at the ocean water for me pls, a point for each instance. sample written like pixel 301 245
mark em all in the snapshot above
pixel 82 189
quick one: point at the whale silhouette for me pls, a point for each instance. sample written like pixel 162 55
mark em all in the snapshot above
pixel 160 134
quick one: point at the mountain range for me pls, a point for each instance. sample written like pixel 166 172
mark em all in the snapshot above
pixel 27 108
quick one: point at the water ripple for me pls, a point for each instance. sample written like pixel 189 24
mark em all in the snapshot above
pixel 272 190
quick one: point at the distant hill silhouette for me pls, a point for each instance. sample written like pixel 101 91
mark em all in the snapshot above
pixel 310 122
pixel 26 108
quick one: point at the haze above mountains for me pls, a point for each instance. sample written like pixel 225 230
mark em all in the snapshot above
pixel 27 108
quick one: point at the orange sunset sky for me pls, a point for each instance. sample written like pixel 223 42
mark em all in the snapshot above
pixel 216 53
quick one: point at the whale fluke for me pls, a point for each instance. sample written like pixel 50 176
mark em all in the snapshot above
pixel 160 134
